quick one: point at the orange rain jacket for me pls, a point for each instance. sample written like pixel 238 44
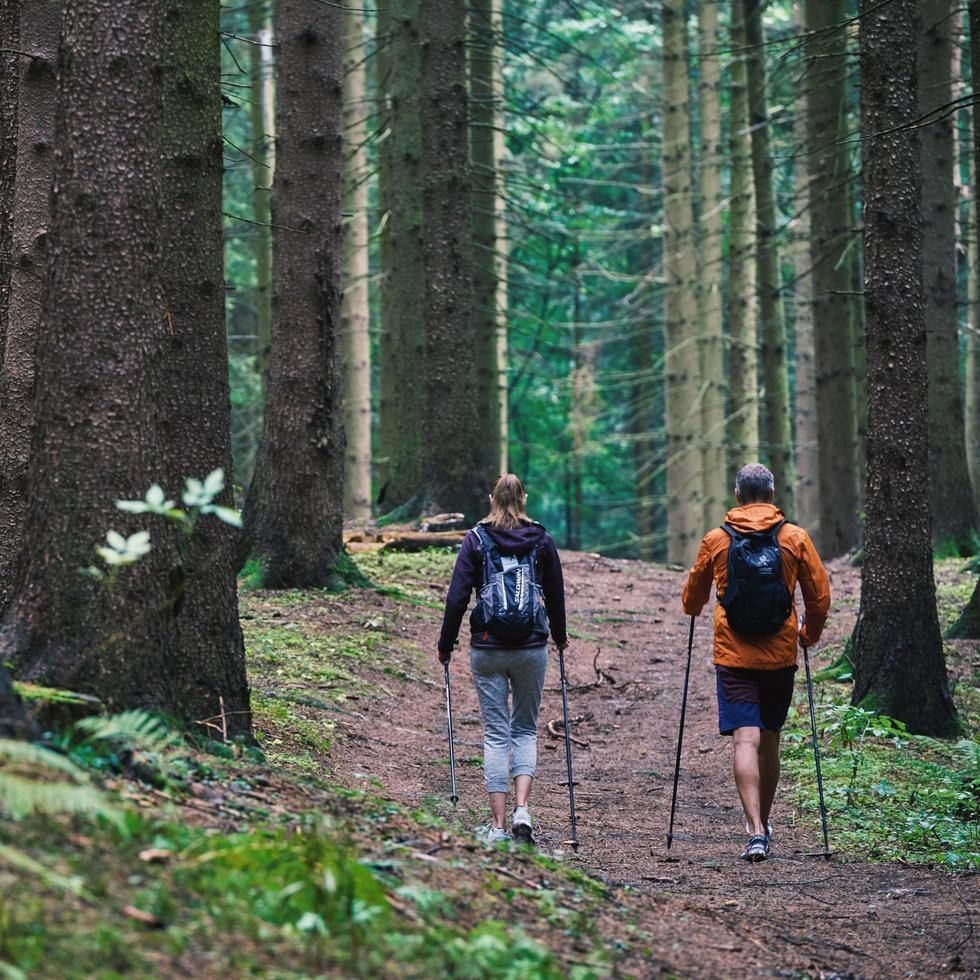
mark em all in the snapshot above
pixel 801 563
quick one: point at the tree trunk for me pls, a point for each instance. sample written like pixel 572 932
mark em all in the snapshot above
pixel 40 29
pixel 899 666
pixel 293 515
pixel 101 425
pixel 681 367
pixel 806 499
pixel 486 98
pixel 971 217
pixel 743 369
pixel 453 465
pixel 713 457
pixel 356 307
pixel 778 438
pixel 9 74
pixel 828 162
pixel 953 514
pixel 12 719
pixel 194 407
pixel 967 627
pixel 262 122
pixel 402 432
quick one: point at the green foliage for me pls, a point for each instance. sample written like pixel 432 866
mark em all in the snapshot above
pixel 890 795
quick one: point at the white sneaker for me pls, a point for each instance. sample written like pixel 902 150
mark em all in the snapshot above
pixel 520 825
pixel 492 835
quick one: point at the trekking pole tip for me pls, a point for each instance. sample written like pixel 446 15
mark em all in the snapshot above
pixel 454 799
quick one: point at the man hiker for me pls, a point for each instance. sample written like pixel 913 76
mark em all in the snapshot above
pixel 756 558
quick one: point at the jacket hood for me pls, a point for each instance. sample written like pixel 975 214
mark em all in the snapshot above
pixel 754 517
pixel 517 540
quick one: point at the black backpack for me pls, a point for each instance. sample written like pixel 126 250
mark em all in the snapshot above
pixel 511 604
pixel 756 600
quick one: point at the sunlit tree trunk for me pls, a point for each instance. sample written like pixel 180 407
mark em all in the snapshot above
pixel 953 512
pixel 743 370
pixel 806 497
pixel 452 465
pixel 486 99
pixel 713 457
pixel 293 514
pixel 262 120
pixel 356 311
pixel 897 647
pixel 104 427
pixel 778 439
pixel 681 367
pixel 40 28
pixel 828 162
pixel 402 420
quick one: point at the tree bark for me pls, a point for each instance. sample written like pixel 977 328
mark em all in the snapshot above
pixel 13 722
pixel 9 74
pixel 806 497
pixel 356 317
pixel 973 313
pixel 293 515
pixel 100 426
pixel 778 448
pixel 40 29
pixel 453 469
pixel 898 651
pixel 262 122
pixel 194 405
pixel 713 456
pixel 954 516
pixel 743 369
pixel 828 162
pixel 486 99
pixel 681 367
pixel 402 432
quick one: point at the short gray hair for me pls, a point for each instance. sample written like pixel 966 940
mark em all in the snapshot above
pixel 754 483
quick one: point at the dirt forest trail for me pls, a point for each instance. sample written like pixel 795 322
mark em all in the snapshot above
pixel 708 914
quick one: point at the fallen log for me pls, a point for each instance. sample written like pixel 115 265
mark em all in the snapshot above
pixel 419 540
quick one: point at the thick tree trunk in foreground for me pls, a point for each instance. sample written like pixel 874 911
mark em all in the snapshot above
pixel 485 109
pixel 828 161
pixel 293 515
pixel 356 318
pixel 953 513
pixel 713 457
pixel 453 471
pixel 778 439
pixel 898 650
pixel 9 46
pixel 12 718
pixel 104 340
pixel 681 367
pixel 402 434
pixel 40 30
pixel 743 368
pixel 194 407
pixel 973 318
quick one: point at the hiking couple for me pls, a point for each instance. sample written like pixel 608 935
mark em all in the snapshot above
pixel 754 670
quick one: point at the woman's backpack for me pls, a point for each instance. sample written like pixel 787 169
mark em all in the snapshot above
pixel 756 600
pixel 511 604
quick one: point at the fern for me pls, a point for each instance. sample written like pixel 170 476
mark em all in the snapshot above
pixel 137 729
pixel 17 859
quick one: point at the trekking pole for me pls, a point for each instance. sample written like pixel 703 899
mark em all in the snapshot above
pixel 568 747
pixel 453 795
pixel 680 736
pixel 816 751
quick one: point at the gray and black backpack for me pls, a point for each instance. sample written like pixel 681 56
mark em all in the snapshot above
pixel 511 603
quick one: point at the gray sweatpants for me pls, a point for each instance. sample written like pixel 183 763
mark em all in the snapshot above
pixel 510 736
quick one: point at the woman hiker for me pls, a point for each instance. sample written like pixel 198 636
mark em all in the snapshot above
pixel 512 563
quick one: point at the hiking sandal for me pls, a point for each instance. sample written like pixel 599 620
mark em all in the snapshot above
pixel 757 849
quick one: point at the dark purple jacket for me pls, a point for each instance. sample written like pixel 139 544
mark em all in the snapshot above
pixel 468 575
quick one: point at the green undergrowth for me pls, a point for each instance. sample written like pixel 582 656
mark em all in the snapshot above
pixel 419 577
pixel 889 795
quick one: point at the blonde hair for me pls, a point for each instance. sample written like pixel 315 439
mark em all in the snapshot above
pixel 507 503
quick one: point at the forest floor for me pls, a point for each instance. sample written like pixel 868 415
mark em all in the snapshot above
pixel 348 701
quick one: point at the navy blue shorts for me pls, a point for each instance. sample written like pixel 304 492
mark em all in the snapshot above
pixel 753 698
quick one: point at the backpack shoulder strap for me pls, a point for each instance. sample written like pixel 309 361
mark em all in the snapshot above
pixel 488 548
pixel 730 531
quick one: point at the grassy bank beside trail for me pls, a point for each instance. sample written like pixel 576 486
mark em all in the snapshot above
pixel 891 795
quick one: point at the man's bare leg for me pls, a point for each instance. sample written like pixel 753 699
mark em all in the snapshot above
pixel 747 777
pixel 768 773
